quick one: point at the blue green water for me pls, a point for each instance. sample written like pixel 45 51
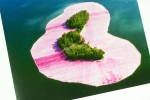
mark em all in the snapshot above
pixel 24 22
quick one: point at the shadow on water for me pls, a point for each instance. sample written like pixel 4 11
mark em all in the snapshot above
pixel 24 22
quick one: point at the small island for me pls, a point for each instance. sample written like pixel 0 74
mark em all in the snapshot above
pixel 73 44
pixel 121 57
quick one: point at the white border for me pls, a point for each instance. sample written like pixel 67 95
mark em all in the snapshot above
pixel 135 93
pixel 6 84
pixel 145 14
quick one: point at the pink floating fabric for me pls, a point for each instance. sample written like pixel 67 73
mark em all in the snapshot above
pixel 121 58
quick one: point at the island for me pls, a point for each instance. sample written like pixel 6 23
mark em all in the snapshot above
pixel 73 44
pixel 120 60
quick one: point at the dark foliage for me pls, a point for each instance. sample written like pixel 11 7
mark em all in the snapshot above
pixel 78 20
pixel 74 45
pixel 72 37
pixel 83 52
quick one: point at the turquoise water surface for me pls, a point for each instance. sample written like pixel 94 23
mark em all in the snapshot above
pixel 24 22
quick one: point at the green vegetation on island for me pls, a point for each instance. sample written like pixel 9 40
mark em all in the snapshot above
pixel 78 20
pixel 73 43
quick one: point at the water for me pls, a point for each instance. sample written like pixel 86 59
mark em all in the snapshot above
pixel 24 22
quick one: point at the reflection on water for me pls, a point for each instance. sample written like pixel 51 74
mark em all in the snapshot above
pixel 24 22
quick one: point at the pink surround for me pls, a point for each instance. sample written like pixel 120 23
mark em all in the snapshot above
pixel 121 58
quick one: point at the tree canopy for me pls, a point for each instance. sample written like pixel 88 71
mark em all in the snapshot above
pixel 78 20
pixel 73 43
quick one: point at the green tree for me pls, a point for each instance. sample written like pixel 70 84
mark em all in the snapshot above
pixel 73 44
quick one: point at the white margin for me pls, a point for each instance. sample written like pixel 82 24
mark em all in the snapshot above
pixel 135 93
pixel 6 84
pixel 144 6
